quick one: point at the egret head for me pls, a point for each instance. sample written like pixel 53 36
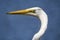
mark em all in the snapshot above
pixel 38 12
pixel 30 11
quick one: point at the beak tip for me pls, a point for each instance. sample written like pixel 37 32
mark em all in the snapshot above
pixel 8 13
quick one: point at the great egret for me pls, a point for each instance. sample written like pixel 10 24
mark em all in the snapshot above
pixel 38 12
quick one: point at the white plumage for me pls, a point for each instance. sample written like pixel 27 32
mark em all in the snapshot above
pixel 38 12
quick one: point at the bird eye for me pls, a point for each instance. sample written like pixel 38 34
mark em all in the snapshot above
pixel 33 11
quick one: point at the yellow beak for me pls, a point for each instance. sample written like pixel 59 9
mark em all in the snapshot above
pixel 21 12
